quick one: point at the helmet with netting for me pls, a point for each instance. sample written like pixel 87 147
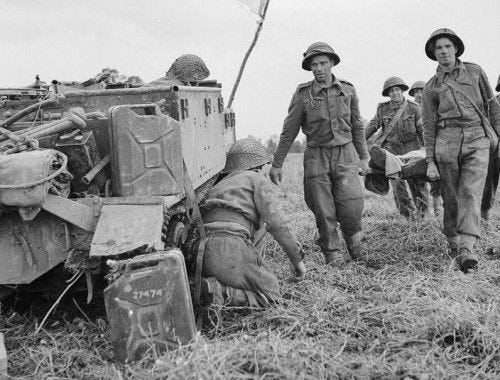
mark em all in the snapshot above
pixel 318 48
pixel 188 68
pixel 245 154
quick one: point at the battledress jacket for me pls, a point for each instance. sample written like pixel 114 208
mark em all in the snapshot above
pixel 407 133
pixel 248 193
pixel 328 117
pixel 444 106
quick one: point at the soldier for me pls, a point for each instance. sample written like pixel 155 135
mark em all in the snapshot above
pixel 400 121
pixel 490 187
pixel 327 109
pixel 233 210
pixel 186 70
pixel 416 90
pixel 457 140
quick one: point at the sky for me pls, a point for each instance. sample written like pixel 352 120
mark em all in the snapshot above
pixel 375 39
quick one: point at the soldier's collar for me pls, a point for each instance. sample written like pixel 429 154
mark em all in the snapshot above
pixel 316 87
pixel 441 72
pixel 393 105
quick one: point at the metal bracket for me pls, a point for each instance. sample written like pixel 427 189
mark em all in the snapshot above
pixel 184 109
pixel 220 104
pixel 84 213
pixel 208 106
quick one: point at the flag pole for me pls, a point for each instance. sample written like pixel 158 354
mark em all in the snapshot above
pixel 243 63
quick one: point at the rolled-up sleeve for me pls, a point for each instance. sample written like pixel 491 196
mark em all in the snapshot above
pixel 265 203
pixel 429 120
pixel 291 128
pixel 357 128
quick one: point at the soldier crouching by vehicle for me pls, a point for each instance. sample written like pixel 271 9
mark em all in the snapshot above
pixel 232 212
pixel 400 121
pixel 327 110
pixel 458 138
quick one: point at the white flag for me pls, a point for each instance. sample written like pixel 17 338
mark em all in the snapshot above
pixel 254 6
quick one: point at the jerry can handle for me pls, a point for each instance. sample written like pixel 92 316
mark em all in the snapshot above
pixel 152 259
pixel 150 109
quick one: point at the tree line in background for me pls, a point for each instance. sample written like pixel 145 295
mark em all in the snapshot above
pixel 271 143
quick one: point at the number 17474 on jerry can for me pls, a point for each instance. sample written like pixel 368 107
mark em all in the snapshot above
pixel 148 304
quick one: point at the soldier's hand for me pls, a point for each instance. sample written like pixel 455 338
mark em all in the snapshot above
pixel 276 175
pixel 364 169
pixel 432 171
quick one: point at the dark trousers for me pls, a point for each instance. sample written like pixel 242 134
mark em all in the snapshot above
pixel 462 155
pixel 406 204
pixel 333 192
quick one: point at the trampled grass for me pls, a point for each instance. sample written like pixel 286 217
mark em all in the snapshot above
pixel 406 313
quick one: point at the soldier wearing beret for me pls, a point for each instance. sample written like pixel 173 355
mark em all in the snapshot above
pixel 458 138
pixel 400 122
pixel 327 110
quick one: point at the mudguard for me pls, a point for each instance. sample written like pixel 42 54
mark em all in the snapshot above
pixel 125 227
pixel 28 249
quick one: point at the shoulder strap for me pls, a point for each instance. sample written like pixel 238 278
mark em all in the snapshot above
pixel 488 129
pixel 381 138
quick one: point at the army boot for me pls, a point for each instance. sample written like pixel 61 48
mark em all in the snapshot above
pixel 355 246
pixel 452 250
pixel 466 259
pixel 334 258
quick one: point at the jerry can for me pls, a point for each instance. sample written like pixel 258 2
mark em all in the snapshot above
pixel 148 304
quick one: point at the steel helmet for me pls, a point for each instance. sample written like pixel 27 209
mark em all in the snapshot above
pixel 391 82
pixel 188 68
pixel 497 88
pixel 246 154
pixel 418 85
pixel 318 48
pixel 440 33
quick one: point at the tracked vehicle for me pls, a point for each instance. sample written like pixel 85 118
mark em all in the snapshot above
pixel 106 182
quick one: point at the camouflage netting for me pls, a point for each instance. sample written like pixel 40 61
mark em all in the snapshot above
pixel 188 68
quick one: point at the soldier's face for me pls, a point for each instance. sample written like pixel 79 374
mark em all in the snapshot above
pixel 445 52
pixel 417 95
pixel 321 67
pixel 396 94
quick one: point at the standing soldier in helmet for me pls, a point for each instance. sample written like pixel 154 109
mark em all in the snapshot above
pixel 327 109
pixel 490 187
pixel 458 139
pixel 416 91
pixel 401 123
pixel 233 210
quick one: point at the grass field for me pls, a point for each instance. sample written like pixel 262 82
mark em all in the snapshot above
pixel 404 314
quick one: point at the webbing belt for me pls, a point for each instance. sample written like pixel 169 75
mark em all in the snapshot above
pixel 227 215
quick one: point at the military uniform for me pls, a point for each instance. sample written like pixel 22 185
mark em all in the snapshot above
pixel 234 209
pixel 330 119
pixel 405 136
pixel 455 139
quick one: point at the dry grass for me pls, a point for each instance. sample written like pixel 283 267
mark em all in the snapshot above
pixel 406 314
